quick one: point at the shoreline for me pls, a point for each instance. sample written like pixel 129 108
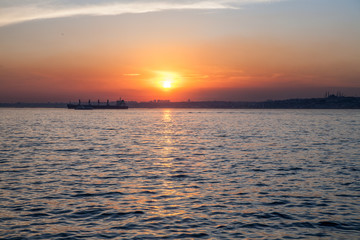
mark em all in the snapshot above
pixel 331 102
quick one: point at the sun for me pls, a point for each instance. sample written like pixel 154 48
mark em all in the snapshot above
pixel 167 80
pixel 166 84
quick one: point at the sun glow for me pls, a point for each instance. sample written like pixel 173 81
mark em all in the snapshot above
pixel 167 80
pixel 167 84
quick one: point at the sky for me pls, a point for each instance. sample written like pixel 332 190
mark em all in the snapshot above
pixel 141 50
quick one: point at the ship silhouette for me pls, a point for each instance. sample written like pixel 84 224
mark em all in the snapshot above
pixel 120 104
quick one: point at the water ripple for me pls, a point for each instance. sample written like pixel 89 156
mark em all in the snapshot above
pixel 179 174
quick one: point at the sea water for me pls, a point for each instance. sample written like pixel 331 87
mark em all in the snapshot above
pixel 179 173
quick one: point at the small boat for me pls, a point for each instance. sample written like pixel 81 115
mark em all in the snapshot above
pixel 120 104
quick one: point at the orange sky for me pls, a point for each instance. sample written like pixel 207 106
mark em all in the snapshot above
pixel 249 51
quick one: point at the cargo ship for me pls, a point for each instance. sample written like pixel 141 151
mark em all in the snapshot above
pixel 120 104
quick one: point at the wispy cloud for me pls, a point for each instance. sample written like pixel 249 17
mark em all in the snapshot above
pixel 15 11
pixel 131 74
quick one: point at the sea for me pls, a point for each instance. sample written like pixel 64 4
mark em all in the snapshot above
pixel 179 174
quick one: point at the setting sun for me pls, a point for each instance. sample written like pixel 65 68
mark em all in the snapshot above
pixel 167 80
pixel 167 84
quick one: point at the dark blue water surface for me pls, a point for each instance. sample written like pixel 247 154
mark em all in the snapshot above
pixel 172 174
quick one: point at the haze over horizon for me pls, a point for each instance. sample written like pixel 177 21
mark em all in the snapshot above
pixel 244 50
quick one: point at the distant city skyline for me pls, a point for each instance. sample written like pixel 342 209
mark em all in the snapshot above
pixel 244 50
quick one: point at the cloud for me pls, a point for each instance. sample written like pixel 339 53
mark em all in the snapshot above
pixel 16 11
pixel 132 74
